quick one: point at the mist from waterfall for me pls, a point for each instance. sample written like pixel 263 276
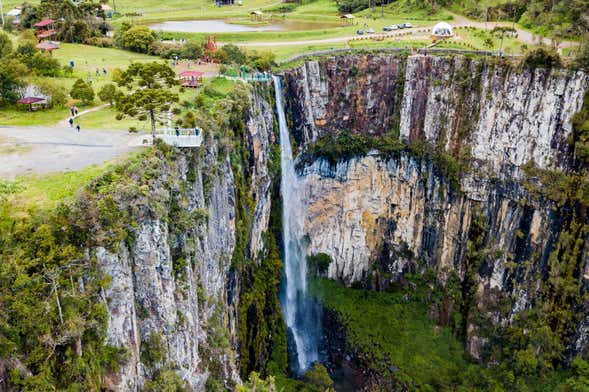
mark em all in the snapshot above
pixel 302 315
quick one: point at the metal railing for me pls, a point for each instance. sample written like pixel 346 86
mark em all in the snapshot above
pixel 180 137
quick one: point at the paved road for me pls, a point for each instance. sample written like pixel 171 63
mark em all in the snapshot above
pixel 523 35
pixel 42 150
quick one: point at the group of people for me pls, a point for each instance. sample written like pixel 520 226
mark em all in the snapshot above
pixel 74 112
pixel 196 131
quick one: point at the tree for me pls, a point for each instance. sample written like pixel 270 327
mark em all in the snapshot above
pixel 488 43
pixel 137 39
pixel 55 92
pixel 147 91
pixel 319 377
pixel 232 54
pixel 108 93
pixel 5 45
pixel 11 72
pixel 257 384
pixel 83 91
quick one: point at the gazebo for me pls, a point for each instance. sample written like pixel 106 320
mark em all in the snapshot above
pixel 347 18
pixel 32 102
pixel 441 31
pixel 191 78
pixel 47 46
pixel 256 15
pixel 44 29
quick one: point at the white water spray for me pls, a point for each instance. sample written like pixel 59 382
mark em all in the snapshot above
pixel 301 314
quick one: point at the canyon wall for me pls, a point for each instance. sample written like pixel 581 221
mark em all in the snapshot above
pixel 380 217
pixel 173 288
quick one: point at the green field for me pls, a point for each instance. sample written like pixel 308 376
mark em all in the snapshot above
pixel 87 59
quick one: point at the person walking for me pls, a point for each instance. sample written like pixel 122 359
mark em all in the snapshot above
pixel 177 131
pixel 75 111
pixel 72 111
pixel 78 128
pixel 71 121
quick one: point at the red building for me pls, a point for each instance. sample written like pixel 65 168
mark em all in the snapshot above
pixel 44 29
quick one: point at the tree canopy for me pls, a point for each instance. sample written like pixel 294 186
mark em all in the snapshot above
pixel 146 91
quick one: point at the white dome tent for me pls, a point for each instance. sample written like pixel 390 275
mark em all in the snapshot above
pixel 442 30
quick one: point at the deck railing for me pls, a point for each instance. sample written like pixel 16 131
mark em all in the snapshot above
pixel 181 137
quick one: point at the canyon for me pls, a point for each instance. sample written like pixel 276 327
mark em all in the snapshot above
pixel 194 249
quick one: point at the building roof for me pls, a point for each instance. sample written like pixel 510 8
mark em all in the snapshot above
pixel 348 16
pixel 14 12
pixel 44 22
pixel 30 100
pixel 47 45
pixel 191 74
pixel 106 7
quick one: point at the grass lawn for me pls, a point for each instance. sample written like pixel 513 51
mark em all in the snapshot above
pixel 87 59
pixel 46 192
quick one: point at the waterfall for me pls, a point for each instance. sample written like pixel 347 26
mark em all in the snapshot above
pixel 302 314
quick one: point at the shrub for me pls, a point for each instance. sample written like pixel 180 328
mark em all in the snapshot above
pixel 102 42
pixel 5 45
pixel 11 72
pixel 55 92
pixel 319 263
pixel 542 58
pixel 108 93
pixel 137 39
pixel 82 91
pixel 318 377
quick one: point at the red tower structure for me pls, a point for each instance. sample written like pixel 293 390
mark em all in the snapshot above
pixel 211 47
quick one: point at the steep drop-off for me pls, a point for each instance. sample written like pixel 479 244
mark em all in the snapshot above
pixel 465 194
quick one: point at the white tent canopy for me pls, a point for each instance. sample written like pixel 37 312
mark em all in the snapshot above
pixel 442 29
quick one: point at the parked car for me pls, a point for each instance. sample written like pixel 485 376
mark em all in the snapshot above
pixel 370 31
pixel 390 28
pixel 360 32
pixel 405 26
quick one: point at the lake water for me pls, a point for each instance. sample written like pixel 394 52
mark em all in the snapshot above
pixel 222 26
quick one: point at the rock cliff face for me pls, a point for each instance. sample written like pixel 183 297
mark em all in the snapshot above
pixel 380 217
pixel 505 116
pixel 173 288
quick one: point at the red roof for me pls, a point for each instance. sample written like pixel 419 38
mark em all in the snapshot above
pixel 47 45
pixel 30 100
pixel 44 22
pixel 191 74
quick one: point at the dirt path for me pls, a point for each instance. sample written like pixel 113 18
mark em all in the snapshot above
pixel 42 150
pixel 65 123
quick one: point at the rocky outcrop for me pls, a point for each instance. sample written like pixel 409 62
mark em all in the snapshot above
pixel 380 217
pixel 505 116
pixel 173 288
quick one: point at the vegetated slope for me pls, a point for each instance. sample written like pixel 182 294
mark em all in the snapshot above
pixel 137 284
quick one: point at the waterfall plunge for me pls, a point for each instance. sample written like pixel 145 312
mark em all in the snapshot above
pixel 302 315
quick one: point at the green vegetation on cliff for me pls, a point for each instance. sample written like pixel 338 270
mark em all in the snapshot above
pixel 394 334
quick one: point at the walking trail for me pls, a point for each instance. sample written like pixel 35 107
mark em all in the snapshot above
pixel 65 122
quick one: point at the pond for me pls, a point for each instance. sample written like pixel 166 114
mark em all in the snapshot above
pixel 225 26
